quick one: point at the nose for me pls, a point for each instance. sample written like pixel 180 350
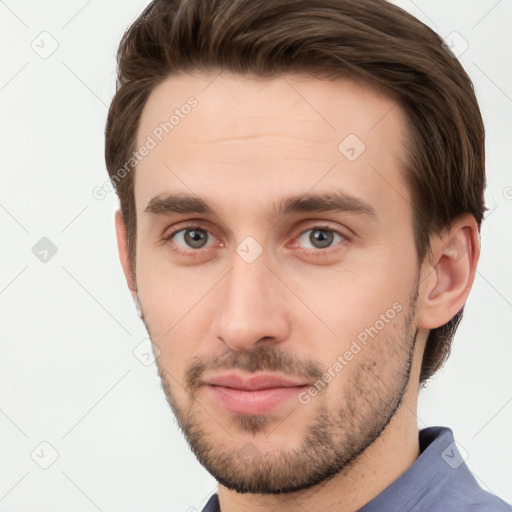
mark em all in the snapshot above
pixel 253 308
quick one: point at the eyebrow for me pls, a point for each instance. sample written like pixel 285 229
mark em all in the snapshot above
pixel 330 201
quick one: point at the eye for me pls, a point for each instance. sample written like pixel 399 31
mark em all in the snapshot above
pixel 191 238
pixel 320 238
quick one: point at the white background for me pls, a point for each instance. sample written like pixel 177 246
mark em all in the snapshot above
pixel 68 374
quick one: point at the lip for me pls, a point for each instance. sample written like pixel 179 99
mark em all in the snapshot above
pixel 254 394
pixel 253 382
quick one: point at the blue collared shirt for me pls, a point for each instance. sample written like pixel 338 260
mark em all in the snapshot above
pixel 438 481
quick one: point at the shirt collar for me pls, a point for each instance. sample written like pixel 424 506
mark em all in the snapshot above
pixel 439 467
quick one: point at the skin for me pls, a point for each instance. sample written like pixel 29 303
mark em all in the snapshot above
pixel 249 143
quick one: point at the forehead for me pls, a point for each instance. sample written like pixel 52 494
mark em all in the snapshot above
pixel 216 135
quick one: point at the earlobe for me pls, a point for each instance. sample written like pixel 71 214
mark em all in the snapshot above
pixel 450 273
pixel 122 246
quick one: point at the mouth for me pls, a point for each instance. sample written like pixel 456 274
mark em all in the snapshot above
pixel 253 394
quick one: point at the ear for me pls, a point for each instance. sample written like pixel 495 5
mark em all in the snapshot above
pixel 122 246
pixel 449 274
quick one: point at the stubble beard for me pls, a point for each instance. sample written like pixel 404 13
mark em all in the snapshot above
pixel 332 442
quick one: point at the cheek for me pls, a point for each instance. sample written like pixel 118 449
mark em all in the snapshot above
pixel 350 293
pixel 168 293
pixel 177 311
pixel 359 297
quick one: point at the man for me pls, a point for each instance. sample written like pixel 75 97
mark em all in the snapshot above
pixel 301 188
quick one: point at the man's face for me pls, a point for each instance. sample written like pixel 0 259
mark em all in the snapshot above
pixel 259 281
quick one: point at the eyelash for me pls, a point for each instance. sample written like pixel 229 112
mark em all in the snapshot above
pixel 309 252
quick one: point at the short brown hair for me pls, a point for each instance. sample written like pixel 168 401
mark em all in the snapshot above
pixel 371 40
